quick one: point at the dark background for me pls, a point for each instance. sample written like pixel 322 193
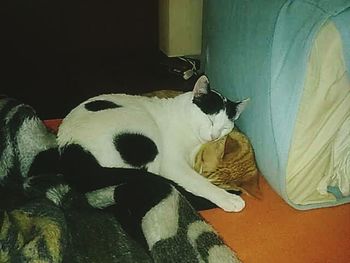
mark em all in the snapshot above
pixel 55 54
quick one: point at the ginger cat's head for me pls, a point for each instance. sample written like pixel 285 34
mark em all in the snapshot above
pixel 229 163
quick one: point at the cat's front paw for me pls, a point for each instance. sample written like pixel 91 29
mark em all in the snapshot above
pixel 232 203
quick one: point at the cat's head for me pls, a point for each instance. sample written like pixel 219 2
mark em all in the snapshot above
pixel 215 112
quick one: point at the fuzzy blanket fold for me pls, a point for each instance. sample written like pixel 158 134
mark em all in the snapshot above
pixel 43 220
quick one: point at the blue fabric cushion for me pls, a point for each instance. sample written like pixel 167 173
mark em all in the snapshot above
pixel 259 49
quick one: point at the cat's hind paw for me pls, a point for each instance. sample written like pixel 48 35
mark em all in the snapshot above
pixel 232 203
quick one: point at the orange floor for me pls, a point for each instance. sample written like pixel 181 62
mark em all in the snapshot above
pixel 269 230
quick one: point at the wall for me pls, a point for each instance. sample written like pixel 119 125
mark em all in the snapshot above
pixel 57 49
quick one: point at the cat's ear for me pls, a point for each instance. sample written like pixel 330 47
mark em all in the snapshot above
pixel 240 106
pixel 201 86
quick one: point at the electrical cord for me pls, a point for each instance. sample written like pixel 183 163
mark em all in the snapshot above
pixel 189 73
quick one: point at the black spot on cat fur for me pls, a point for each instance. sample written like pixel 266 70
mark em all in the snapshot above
pixel 210 103
pixel 231 109
pixel 82 171
pixel 98 105
pixel 136 149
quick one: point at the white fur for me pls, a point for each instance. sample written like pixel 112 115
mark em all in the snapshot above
pixel 177 126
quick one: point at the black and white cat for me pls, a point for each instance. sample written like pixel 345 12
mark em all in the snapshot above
pixel 148 207
pixel 160 136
